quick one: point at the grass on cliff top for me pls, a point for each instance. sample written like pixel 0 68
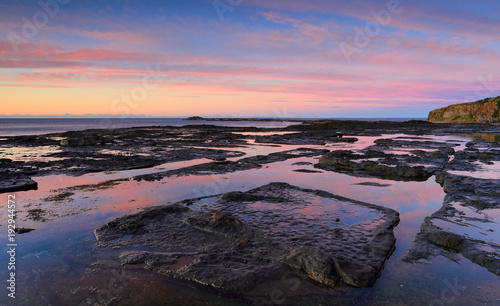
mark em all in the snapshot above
pixel 479 102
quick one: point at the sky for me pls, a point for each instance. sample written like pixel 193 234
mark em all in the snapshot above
pixel 247 58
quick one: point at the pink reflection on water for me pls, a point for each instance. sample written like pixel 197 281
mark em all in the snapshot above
pixel 19 153
pixel 414 201
pixel 489 172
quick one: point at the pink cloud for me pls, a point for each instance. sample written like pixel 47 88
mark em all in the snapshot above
pixel 415 15
pixel 318 33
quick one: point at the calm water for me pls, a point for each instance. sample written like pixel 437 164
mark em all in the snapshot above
pixel 59 264
pixel 14 127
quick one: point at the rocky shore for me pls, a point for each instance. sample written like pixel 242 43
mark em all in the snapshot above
pixel 80 152
pixel 236 240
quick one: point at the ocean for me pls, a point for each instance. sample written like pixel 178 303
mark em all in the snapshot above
pixel 39 126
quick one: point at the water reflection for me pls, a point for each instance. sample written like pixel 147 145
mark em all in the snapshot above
pixel 60 256
pixel 484 171
pixel 39 153
pixel 491 138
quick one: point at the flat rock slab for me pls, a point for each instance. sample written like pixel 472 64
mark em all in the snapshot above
pixel 239 239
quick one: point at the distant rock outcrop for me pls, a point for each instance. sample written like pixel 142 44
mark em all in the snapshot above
pixel 195 118
pixel 482 111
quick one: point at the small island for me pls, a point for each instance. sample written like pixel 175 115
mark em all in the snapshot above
pixel 195 118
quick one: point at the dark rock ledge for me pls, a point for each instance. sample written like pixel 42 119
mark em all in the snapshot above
pixel 393 159
pixel 16 182
pixel 462 225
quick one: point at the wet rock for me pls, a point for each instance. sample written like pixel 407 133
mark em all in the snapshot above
pixel 282 156
pixel 307 171
pixel 395 159
pixel 373 184
pixel 433 240
pixel 216 158
pixel 80 152
pixel 202 169
pixel 99 150
pixel 377 128
pixel 11 182
pixel 302 164
pixel 305 138
pixel 445 239
pixel 239 196
pixel 222 167
pixel 83 141
pixel 318 266
pixel 371 168
pixel 81 162
pixel 245 238
pixel 461 226
pixel 23 230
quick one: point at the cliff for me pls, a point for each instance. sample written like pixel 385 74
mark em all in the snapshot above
pixel 482 111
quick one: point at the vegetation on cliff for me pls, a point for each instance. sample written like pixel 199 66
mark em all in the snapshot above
pixel 482 111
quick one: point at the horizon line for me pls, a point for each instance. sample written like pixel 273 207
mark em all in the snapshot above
pixel 107 116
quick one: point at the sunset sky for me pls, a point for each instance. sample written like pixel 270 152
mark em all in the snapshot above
pixel 269 58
